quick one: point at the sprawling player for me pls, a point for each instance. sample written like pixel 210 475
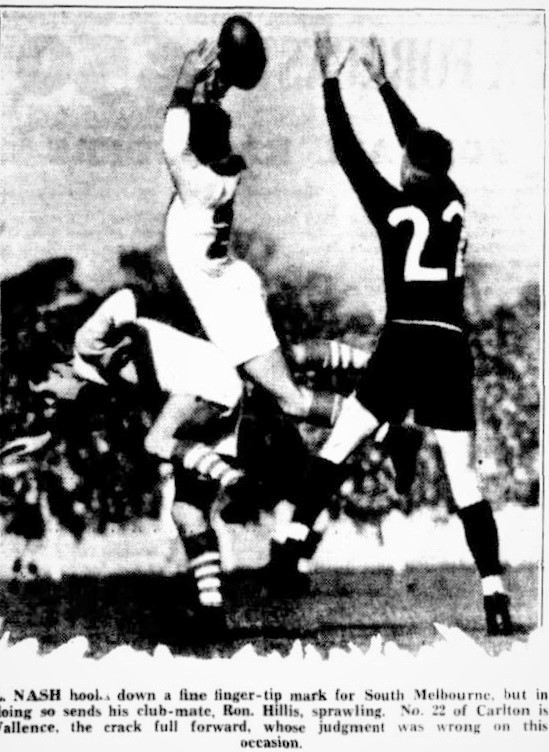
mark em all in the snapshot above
pixel 189 385
pixel 226 293
pixel 422 361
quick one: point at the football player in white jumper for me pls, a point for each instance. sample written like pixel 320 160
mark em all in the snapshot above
pixel 225 292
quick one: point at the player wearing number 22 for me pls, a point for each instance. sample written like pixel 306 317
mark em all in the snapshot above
pixel 422 361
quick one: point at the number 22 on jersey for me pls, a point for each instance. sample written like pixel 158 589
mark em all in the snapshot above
pixel 413 270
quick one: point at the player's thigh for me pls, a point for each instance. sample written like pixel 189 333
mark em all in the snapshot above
pixel 232 309
pixel 188 365
pixel 458 452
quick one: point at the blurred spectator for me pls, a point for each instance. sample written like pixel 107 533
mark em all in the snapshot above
pixel 96 470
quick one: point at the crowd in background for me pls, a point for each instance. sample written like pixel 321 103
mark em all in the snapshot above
pixel 95 470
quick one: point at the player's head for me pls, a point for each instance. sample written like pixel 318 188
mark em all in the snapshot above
pixel 61 382
pixel 210 140
pixel 427 154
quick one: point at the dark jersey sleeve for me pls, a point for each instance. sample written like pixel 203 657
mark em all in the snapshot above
pixel 374 192
pixel 403 120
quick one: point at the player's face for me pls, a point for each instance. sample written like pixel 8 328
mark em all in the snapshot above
pixel 60 382
pixel 410 174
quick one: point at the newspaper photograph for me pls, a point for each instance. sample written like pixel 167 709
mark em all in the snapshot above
pixel 271 378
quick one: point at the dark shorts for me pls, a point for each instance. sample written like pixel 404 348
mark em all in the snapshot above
pixel 427 369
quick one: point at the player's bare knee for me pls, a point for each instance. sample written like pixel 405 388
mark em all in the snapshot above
pixel 465 488
pixel 159 444
pixel 457 452
pixel 188 519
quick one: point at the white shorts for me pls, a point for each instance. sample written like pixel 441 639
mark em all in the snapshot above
pixel 183 365
pixel 226 293
pixel 231 307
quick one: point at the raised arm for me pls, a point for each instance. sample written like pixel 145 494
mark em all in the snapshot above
pixel 371 187
pixel 181 162
pixel 403 120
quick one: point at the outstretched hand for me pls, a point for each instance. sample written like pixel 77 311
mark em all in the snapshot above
pixel 198 64
pixel 330 64
pixel 374 62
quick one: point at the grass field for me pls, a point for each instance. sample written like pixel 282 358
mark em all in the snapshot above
pixel 341 607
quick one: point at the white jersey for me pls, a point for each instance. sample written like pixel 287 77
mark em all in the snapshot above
pixel 202 223
pixel 226 293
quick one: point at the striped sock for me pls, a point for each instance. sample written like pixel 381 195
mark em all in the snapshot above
pixel 205 461
pixel 344 356
pixel 204 563
pixel 206 570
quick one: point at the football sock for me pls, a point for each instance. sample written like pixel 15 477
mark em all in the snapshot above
pixel 287 542
pixel 482 537
pixel 313 540
pixel 205 565
pixel 207 463
pixel 286 528
pixel 300 529
pixel 324 409
pixel 331 354
pixel 492 584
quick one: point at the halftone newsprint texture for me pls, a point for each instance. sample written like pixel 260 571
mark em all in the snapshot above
pixel 271 582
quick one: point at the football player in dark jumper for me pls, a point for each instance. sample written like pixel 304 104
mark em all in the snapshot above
pixel 422 362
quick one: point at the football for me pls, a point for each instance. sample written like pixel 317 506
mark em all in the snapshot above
pixel 242 57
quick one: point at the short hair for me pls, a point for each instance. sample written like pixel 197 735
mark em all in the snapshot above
pixel 429 151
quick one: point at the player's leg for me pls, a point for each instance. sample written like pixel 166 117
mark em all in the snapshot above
pixel 203 389
pixel 299 528
pixel 179 410
pixel 232 309
pixel 355 422
pixel 202 550
pixel 376 400
pixel 445 402
pixel 293 546
pixel 189 365
pixel 479 525
pixel 176 435
pixel 401 444
pixel 270 371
